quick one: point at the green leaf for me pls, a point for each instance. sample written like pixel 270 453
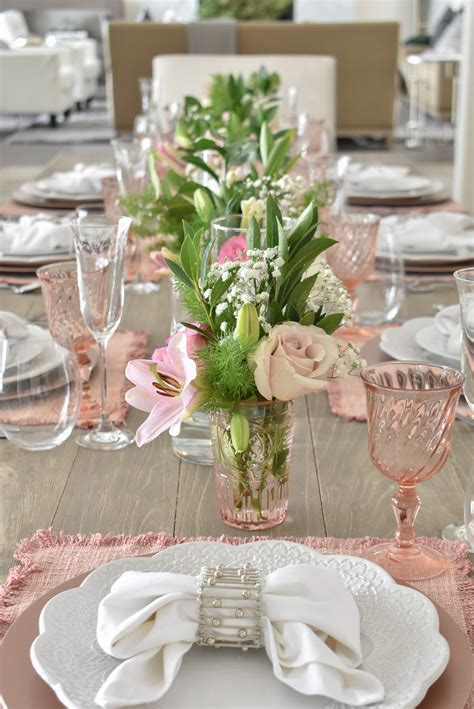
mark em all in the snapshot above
pixel 155 180
pixel 253 235
pixel 191 326
pixel 199 162
pixel 189 257
pixel 274 313
pixel 279 152
pixel 179 273
pixel 206 144
pixel 206 257
pixel 273 217
pixel 282 242
pixel 330 322
pixel 266 143
pixel 220 288
pixel 300 262
pixel 300 294
pixel 303 223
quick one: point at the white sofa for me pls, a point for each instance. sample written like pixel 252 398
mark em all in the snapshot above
pixel 36 80
pixel 86 64
pixel 83 53
pixel 314 76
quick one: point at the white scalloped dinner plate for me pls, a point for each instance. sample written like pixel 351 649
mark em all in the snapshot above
pixel 399 627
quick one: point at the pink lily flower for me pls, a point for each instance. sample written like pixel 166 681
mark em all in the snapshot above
pixel 169 156
pixel 164 386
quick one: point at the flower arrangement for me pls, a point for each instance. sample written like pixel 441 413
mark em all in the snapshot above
pixel 260 334
pixel 260 329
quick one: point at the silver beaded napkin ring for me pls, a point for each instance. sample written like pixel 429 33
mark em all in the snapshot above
pixel 230 612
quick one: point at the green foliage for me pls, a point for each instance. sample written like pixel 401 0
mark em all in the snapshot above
pixel 244 9
pixel 226 377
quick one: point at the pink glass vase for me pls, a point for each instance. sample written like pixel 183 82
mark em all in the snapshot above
pixel 411 408
pixel 252 487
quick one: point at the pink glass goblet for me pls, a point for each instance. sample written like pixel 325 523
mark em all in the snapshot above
pixel 63 311
pixel 411 408
pixel 352 258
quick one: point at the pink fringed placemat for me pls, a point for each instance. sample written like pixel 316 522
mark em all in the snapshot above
pixel 47 560
pixel 123 346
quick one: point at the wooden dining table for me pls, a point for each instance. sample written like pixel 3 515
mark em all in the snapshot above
pixel 334 489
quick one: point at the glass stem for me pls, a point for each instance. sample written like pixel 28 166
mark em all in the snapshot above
pixel 138 261
pixel 103 385
pixel 406 505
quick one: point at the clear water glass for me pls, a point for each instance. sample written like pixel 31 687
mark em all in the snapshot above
pixel 328 173
pixel 132 175
pixel 380 297
pixel 100 249
pixel 40 388
pixel 465 284
pixel 313 136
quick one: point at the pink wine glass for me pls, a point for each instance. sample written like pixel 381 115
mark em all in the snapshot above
pixel 410 411
pixel 63 311
pixel 352 258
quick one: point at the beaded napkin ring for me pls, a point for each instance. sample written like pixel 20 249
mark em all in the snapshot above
pixel 230 607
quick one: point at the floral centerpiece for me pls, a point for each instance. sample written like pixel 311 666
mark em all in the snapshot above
pixel 260 335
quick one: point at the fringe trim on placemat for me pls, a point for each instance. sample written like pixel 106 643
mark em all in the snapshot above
pixel 45 538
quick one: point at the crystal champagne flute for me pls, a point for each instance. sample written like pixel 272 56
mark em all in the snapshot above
pixel 100 248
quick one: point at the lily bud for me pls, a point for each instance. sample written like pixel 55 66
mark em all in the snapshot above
pixel 239 433
pixel 248 326
pixel 182 136
pixel 203 204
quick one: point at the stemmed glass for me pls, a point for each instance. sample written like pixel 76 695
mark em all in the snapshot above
pixel 326 173
pixel 63 310
pixel 411 408
pixel 465 285
pixel 132 176
pixel 100 248
pixel 352 259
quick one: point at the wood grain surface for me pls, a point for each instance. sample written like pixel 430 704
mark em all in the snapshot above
pixel 334 489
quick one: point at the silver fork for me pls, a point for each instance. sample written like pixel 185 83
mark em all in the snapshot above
pixel 25 288
pixel 421 286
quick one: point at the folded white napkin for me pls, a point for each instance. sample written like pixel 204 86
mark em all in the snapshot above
pixel 12 331
pixel 430 233
pixel 35 234
pixel 448 322
pixel 83 179
pixel 384 178
pixel 310 625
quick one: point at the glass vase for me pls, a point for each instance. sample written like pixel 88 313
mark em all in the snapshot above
pixel 252 487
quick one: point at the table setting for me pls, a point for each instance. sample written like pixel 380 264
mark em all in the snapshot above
pixel 223 342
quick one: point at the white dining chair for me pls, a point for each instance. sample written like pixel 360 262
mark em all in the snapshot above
pixel 181 75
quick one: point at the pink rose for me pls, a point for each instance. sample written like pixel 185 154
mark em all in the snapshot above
pixel 233 249
pixel 293 360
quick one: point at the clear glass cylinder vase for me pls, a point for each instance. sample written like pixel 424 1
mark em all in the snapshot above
pixel 252 487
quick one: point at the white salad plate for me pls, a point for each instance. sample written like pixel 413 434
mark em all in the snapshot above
pixel 32 189
pixel 402 343
pixel 412 186
pixel 401 642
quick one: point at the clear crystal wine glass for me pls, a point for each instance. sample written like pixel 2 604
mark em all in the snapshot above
pixel 465 285
pixel 100 248
pixel 132 176
pixel 40 389
pixel 411 408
